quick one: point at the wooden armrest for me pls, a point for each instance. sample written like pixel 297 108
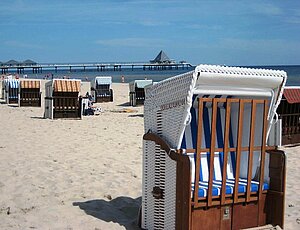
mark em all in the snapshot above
pixel 277 170
pixel 163 145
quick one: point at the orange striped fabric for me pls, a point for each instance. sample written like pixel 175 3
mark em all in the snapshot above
pixel 31 84
pixel 66 86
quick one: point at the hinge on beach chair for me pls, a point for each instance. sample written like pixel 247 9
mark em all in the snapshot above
pixel 157 192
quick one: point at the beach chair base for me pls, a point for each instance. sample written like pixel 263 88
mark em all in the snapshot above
pixel 134 100
pixel 67 108
pixel 73 114
pixel 266 208
pixel 30 102
pixel 291 139
pixel 60 107
pixel 30 98
pixel 12 101
pixel 105 97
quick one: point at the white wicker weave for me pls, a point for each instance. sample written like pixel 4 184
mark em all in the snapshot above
pixel 167 112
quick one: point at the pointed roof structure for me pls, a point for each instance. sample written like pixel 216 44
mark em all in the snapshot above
pixel 11 63
pixel 161 58
pixel 29 62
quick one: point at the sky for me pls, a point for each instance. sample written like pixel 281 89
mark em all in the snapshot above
pixel 231 32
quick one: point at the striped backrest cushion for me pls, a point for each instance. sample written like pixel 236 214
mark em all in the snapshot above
pixel 190 141
pixel 14 83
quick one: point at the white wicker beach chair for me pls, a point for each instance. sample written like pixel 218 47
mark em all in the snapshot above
pixel 11 91
pixel 63 99
pixel 102 91
pixel 204 148
pixel 137 91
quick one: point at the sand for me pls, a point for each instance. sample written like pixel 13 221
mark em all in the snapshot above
pixel 84 174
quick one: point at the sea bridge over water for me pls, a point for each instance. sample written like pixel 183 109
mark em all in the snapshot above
pixel 118 66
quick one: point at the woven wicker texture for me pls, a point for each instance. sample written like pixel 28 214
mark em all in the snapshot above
pixel 239 71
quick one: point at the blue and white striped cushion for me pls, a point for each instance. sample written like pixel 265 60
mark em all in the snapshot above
pixel 190 140
pixel 14 83
pixel 13 88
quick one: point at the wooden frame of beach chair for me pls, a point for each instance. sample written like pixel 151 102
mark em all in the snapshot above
pixel 30 93
pixel 137 91
pixel 289 115
pixel 11 91
pixel 62 99
pixel 102 91
pixel 204 149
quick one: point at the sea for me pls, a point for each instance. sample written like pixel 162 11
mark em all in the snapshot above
pixel 293 72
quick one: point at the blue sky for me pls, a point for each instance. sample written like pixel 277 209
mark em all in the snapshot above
pixel 231 32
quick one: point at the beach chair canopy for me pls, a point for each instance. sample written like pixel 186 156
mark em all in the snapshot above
pixel 103 80
pixel 292 94
pixel 12 83
pixel 62 85
pixel 211 81
pixel 141 84
pixel 30 84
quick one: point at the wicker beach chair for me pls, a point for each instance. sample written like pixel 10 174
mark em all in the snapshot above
pixel 137 91
pixel 30 93
pixel 289 115
pixel 206 161
pixel 62 99
pixel 102 91
pixel 11 94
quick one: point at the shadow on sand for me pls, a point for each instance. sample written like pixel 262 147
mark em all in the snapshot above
pixel 13 105
pixel 136 115
pixel 125 104
pixel 37 117
pixel 122 210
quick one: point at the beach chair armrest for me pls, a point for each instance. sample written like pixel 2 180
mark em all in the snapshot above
pixel 277 170
pixel 163 144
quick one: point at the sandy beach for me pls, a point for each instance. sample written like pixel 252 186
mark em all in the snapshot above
pixel 85 174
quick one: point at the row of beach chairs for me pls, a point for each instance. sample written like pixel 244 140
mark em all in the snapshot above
pixel 102 91
pixel 62 99
pixel 22 92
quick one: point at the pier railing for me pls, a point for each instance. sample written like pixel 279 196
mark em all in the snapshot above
pixel 103 66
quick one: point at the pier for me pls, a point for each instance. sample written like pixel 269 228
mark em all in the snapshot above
pixel 54 67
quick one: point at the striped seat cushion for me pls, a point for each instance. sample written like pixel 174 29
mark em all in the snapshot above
pixel 190 141
pixel 216 188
